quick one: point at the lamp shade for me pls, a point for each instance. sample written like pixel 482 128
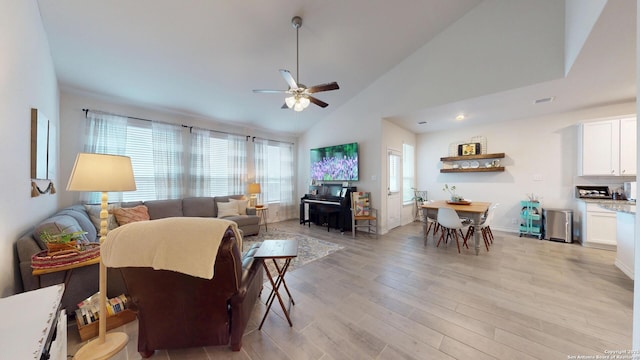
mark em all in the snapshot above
pixel 253 188
pixel 101 172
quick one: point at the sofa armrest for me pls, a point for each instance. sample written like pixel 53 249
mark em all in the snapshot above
pixel 251 211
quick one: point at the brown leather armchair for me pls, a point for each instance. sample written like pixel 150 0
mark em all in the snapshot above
pixel 176 310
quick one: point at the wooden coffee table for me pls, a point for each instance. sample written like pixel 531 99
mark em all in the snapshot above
pixel 274 250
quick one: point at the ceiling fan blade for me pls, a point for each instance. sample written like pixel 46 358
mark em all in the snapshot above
pixel 318 102
pixel 323 87
pixel 271 91
pixel 289 79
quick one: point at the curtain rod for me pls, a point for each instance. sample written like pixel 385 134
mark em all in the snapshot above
pixel 86 113
pixel 247 137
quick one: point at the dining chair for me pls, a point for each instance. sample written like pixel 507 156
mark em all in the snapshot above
pixel 428 224
pixel 371 219
pixel 485 228
pixel 452 226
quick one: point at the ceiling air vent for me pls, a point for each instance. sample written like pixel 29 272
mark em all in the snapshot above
pixel 544 100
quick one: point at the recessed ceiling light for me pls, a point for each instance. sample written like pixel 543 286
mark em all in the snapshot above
pixel 460 117
pixel 544 100
pixel 421 122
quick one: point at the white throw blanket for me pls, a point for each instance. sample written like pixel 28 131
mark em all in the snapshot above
pixel 188 245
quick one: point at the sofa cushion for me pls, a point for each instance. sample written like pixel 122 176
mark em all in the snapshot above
pixel 80 214
pixel 128 215
pixel 56 225
pixel 226 209
pixel 242 205
pixel 198 206
pixel 244 220
pixel 94 215
pixel 159 209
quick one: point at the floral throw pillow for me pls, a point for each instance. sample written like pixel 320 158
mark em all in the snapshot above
pixel 129 215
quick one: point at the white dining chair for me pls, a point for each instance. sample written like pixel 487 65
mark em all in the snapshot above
pixel 428 224
pixel 452 226
pixel 485 228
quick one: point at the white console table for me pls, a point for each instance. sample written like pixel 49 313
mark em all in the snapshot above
pixel 29 321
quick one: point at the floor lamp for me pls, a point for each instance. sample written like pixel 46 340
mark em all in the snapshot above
pixel 103 173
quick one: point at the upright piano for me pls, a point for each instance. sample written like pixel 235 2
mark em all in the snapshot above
pixel 328 199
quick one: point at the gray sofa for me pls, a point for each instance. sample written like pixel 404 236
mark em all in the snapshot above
pixel 84 281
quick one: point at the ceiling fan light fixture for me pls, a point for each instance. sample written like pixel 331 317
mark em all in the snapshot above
pixel 298 106
pixel 304 101
pixel 290 101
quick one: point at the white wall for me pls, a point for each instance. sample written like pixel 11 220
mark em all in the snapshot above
pixel 346 125
pixel 543 148
pixel 27 81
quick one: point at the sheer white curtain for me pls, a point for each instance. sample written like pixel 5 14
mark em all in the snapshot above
pixel 287 203
pixel 167 160
pixel 104 134
pixel 274 168
pixel 199 173
pixel 237 162
pixel 260 156
pixel 217 164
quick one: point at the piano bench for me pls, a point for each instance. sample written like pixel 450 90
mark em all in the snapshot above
pixel 325 213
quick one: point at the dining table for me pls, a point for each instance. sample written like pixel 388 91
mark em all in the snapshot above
pixel 469 209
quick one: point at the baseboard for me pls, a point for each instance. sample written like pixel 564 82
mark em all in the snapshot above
pixel 624 268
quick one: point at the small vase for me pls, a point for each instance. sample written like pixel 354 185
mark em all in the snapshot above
pixel 455 198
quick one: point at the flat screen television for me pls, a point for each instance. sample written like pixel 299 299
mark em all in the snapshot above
pixel 335 163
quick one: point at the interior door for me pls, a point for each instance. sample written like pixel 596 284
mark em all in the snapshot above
pixel 394 188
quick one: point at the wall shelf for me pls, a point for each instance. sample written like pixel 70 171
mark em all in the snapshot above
pixel 480 169
pixel 472 157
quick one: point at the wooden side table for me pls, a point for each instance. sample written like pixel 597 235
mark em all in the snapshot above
pixel 277 249
pixel 263 213
pixel 67 268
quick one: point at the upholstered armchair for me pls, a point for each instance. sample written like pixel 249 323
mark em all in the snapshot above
pixel 178 310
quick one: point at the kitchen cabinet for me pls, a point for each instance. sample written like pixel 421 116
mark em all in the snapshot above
pixel 625 256
pixel 628 146
pixel 607 147
pixel 598 226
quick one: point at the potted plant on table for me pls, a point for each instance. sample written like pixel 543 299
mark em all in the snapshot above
pixel 62 242
pixel 452 191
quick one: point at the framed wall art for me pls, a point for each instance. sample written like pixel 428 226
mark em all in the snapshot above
pixel 469 149
pixel 42 154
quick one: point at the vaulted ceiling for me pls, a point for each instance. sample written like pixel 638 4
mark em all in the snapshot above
pixel 203 57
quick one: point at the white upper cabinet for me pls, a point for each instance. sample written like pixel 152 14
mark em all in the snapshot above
pixel 608 148
pixel 628 146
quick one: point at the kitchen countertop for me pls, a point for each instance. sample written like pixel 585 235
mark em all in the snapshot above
pixel 626 206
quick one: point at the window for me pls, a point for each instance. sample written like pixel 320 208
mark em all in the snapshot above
pixel 139 147
pixel 272 161
pixel 408 173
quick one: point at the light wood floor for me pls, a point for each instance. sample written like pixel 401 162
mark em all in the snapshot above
pixel 390 297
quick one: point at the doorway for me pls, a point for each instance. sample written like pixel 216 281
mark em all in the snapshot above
pixel 394 186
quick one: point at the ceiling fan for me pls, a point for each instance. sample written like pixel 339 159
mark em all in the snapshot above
pixel 299 95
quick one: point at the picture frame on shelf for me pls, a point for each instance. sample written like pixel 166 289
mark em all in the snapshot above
pixel 469 149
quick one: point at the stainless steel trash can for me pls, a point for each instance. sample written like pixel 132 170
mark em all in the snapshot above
pixel 557 224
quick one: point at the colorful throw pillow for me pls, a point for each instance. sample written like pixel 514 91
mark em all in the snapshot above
pixel 94 215
pixel 242 205
pixel 129 215
pixel 227 209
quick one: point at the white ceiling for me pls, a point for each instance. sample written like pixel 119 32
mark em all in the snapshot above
pixel 204 57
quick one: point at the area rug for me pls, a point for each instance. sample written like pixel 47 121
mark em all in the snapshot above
pixel 309 248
